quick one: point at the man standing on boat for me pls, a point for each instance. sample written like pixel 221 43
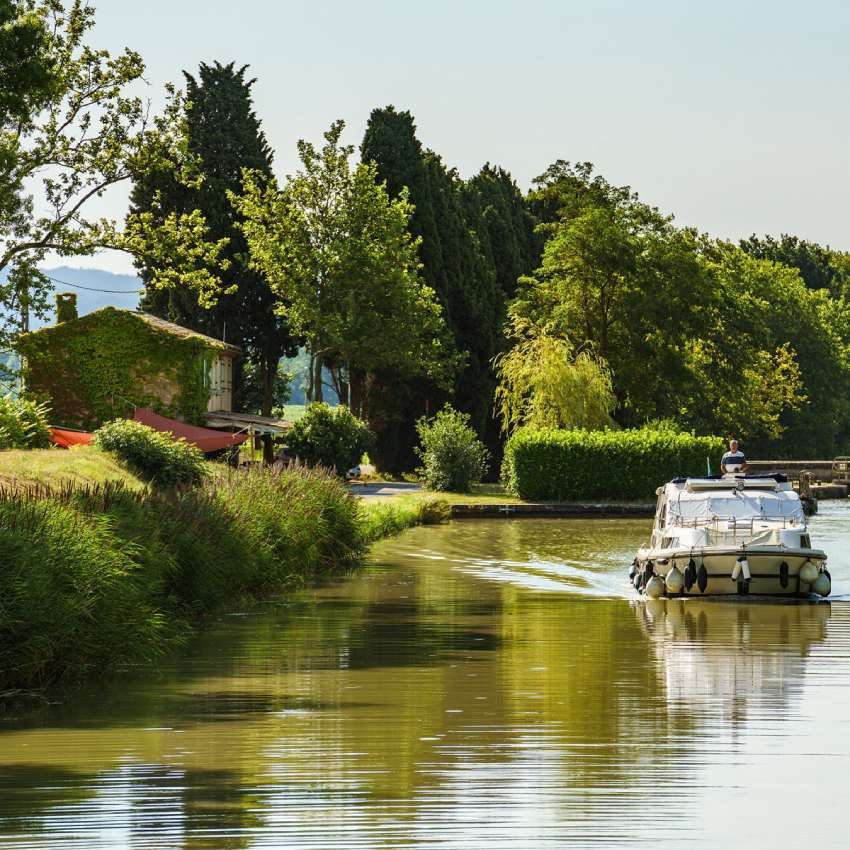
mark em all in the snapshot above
pixel 734 460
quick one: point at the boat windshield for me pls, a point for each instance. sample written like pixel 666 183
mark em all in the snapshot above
pixel 737 506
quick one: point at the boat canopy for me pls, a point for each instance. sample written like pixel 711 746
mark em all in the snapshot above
pixel 737 504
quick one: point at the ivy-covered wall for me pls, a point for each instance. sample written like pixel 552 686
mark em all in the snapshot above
pixel 100 366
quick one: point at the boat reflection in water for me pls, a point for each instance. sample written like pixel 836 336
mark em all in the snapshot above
pixel 734 656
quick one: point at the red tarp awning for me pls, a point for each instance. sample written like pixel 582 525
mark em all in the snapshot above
pixel 205 439
pixel 66 438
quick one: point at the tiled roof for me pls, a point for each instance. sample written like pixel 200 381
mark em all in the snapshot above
pixel 179 330
pixel 156 323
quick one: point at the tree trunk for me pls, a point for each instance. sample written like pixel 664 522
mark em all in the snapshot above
pixel 269 374
pixel 24 301
pixel 342 388
pixel 318 394
pixel 357 384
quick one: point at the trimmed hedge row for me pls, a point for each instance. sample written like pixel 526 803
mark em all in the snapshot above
pixel 552 465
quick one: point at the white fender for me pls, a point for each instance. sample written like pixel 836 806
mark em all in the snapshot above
pixel 745 569
pixel 822 585
pixel 674 580
pixel 736 570
pixel 655 587
pixel 808 572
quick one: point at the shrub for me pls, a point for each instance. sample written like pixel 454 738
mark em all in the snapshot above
pixel 23 424
pixel 453 458
pixel 332 437
pixel 549 464
pixel 153 455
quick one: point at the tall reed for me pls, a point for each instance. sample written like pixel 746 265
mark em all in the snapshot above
pixel 98 576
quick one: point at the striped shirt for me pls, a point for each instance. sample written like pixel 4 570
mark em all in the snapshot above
pixel 733 461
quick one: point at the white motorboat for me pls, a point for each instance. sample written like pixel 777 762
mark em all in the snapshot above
pixel 731 534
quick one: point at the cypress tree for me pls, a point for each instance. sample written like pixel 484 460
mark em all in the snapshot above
pixel 224 134
pixel 504 224
pixel 476 240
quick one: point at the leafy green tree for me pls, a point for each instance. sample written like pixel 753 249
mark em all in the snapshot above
pixel 342 264
pixel 224 136
pixel 28 75
pixel 69 130
pixel 27 72
pixel 692 329
pixel 771 361
pixel 747 397
pixel 24 295
pixel 820 267
pixel 83 135
pixel 617 276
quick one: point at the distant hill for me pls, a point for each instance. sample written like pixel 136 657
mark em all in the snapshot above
pixel 66 279
pixel 103 289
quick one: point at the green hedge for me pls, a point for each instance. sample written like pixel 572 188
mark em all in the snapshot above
pixel 552 465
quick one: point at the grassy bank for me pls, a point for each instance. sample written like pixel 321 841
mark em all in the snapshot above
pixel 83 465
pixel 385 517
pixel 101 572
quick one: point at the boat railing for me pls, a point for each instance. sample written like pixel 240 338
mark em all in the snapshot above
pixel 735 524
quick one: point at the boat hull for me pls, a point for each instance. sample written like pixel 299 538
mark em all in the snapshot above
pixel 724 575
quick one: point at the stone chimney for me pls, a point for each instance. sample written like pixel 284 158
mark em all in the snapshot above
pixel 66 306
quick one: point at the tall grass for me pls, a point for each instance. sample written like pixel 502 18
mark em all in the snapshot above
pixel 100 576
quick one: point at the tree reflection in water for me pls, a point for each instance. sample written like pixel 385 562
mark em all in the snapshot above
pixel 484 684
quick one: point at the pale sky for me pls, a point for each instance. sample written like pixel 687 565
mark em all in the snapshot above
pixel 731 115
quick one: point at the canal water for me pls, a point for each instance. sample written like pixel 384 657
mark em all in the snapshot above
pixel 484 684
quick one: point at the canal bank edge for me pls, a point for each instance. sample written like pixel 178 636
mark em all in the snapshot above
pixel 104 573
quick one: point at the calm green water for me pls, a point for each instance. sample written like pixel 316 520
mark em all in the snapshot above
pixel 481 685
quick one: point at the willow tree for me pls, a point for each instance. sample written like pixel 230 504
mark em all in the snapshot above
pixel 545 383
pixel 338 255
